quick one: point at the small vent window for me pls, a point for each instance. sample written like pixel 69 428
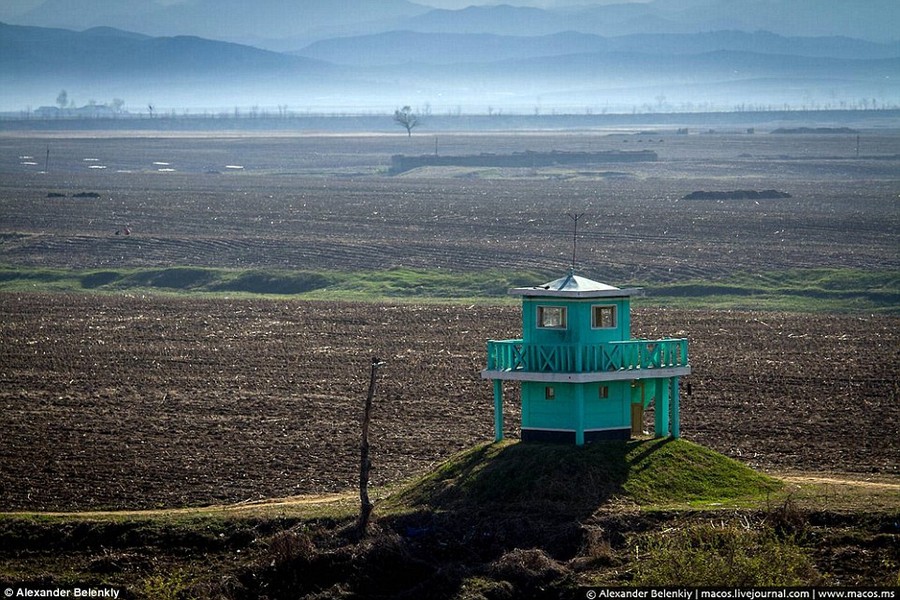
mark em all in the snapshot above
pixel 549 393
pixel 603 317
pixel 552 317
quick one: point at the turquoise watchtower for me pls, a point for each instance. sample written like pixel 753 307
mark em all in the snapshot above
pixel 582 376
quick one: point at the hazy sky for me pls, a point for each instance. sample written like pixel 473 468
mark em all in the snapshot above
pixel 452 4
pixel 16 5
pixel 9 9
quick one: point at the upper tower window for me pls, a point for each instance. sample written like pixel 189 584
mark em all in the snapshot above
pixel 603 317
pixel 551 317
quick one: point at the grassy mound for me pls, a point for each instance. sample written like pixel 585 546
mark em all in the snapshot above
pixel 572 482
pixel 497 521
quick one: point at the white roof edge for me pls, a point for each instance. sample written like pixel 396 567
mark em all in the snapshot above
pixel 573 286
pixel 546 293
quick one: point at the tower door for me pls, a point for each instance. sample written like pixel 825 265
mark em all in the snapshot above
pixel 638 402
pixel 637 419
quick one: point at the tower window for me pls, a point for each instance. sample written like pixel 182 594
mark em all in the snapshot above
pixel 603 392
pixel 549 393
pixel 552 317
pixel 603 317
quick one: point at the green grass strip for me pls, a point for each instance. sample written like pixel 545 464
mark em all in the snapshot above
pixel 794 290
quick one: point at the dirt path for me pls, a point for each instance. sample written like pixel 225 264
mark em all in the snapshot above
pixel 832 480
pixel 889 488
pixel 222 509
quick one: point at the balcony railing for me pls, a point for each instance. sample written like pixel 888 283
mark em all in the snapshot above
pixel 516 355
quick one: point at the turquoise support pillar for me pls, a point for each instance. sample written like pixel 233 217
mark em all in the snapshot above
pixel 498 410
pixel 676 409
pixel 661 410
pixel 579 415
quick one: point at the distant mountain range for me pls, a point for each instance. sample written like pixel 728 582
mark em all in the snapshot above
pixel 874 20
pixel 292 24
pixel 104 52
pixel 272 24
pixel 661 55
pixel 402 47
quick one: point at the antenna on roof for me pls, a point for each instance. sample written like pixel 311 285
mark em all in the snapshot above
pixel 574 217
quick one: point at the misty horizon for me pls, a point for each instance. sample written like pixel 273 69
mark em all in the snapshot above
pixel 541 57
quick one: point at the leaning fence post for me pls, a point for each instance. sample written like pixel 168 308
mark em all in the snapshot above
pixel 365 464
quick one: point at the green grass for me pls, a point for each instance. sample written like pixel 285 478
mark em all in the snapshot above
pixel 721 555
pixel 796 290
pixel 325 285
pixel 572 481
pixel 675 472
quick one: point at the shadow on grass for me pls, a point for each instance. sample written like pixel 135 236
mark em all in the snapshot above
pixel 99 279
pixel 501 520
pixel 178 278
pixel 508 514
pixel 262 282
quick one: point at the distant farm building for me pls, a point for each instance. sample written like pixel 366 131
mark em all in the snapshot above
pixel 89 111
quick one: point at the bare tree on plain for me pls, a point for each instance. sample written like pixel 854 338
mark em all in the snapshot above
pixel 407 119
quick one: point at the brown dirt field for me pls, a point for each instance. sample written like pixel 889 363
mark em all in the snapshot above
pixel 142 402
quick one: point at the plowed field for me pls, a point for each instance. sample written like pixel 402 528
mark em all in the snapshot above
pixel 143 402
pixel 317 203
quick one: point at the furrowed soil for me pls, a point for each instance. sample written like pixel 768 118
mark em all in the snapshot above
pixel 140 402
pixel 322 202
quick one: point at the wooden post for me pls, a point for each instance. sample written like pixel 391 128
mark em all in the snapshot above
pixel 365 464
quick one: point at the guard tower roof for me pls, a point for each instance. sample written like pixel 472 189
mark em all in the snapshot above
pixel 573 286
